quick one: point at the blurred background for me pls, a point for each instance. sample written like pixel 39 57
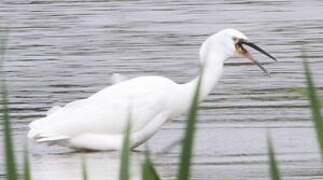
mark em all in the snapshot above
pixel 63 50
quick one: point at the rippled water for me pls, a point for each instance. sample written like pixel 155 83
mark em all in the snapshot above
pixel 59 51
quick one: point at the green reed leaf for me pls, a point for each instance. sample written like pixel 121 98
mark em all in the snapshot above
pixel 10 161
pixel 148 170
pixel 27 171
pixel 84 168
pixel 125 154
pixel 187 147
pixel 305 93
pixel 274 171
pixel 315 106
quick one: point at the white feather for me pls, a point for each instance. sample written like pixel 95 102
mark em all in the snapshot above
pixel 98 122
pixel 105 114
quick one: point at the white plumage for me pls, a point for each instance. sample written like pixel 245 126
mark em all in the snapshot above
pixel 98 122
pixel 105 114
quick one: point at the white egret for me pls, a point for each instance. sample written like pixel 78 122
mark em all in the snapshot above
pixel 98 122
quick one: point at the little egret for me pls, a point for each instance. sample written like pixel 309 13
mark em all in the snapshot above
pixel 98 122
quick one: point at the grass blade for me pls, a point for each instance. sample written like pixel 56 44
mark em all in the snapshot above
pixel 27 171
pixel 125 154
pixel 301 91
pixel 11 169
pixel 148 170
pixel 10 161
pixel 315 106
pixel 274 171
pixel 187 146
pixel 304 92
pixel 170 146
pixel 84 169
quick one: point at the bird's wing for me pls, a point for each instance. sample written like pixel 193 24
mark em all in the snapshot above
pixel 108 111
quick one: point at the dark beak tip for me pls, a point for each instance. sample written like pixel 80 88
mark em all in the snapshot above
pixel 273 58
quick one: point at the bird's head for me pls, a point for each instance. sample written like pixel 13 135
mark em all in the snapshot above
pixel 231 43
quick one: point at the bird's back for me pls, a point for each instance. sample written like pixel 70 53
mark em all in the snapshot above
pixel 107 111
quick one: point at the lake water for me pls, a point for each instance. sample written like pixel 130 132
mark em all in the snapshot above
pixel 62 50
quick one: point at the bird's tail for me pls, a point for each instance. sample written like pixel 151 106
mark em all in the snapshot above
pixel 39 137
pixel 39 134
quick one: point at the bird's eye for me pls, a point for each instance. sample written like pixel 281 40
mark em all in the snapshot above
pixel 235 39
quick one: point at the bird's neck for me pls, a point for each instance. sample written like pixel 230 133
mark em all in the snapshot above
pixel 209 75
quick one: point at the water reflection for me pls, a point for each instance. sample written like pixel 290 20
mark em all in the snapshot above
pixel 100 165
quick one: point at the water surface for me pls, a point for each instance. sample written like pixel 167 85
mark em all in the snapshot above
pixel 60 51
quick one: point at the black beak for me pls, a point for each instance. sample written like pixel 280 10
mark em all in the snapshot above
pixel 250 44
pixel 249 56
